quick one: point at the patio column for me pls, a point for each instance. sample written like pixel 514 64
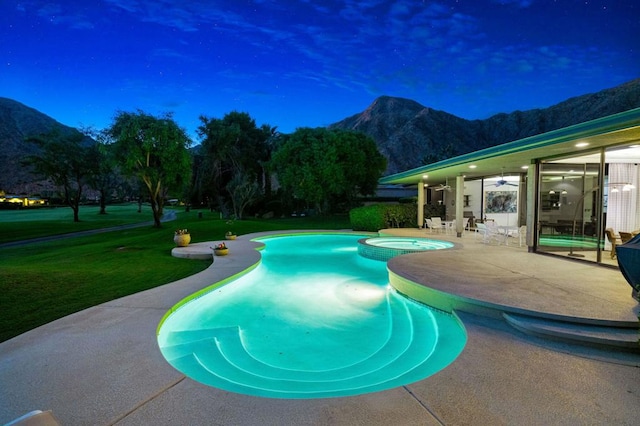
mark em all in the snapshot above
pixel 420 204
pixel 459 205
pixel 532 195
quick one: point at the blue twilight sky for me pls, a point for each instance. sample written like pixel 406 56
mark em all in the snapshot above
pixel 309 63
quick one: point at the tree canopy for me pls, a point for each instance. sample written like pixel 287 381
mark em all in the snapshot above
pixel 233 155
pixel 63 159
pixel 155 150
pixel 327 167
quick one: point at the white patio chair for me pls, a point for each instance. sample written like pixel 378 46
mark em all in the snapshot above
pixel 437 224
pixel 493 233
pixel 450 227
pixel 481 230
pixel 429 223
pixel 465 224
pixel 522 235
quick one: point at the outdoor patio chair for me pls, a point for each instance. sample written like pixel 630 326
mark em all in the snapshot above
pixel 614 240
pixel 625 236
pixel 481 229
pixel 450 227
pixel 465 224
pixel 493 233
pixel 437 223
pixel 429 224
pixel 522 235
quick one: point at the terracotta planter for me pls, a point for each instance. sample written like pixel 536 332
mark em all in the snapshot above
pixel 221 252
pixel 182 240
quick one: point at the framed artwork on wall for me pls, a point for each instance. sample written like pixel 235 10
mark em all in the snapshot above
pixel 501 202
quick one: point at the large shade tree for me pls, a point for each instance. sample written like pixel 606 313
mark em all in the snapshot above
pixel 62 158
pixel 155 150
pixel 105 177
pixel 327 167
pixel 232 158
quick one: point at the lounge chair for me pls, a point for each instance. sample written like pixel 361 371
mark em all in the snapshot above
pixel 625 236
pixel 614 240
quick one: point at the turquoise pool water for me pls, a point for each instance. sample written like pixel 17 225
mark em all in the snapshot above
pixel 568 241
pixel 416 244
pixel 384 248
pixel 313 320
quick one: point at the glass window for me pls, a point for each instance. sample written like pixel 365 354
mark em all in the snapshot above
pixel 576 217
pixel 568 207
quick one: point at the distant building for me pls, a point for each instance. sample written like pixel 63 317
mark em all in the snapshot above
pixel 22 200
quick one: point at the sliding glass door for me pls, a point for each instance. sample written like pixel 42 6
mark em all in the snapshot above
pixel 589 203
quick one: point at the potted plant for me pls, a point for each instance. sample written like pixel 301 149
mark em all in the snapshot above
pixel 230 235
pixel 182 238
pixel 221 250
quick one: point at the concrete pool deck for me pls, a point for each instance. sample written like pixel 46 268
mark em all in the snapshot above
pixel 102 365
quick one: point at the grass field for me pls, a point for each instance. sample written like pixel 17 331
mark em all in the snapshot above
pixel 46 281
pixel 16 225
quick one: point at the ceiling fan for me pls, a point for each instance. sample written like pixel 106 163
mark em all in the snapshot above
pixel 444 187
pixel 502 181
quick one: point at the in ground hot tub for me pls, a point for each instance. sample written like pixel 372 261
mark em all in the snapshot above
pixel 384 248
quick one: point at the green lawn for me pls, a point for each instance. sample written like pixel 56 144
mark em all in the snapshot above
pixel 45 281
pixel 16 225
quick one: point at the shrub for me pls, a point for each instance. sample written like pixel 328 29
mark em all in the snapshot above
pixel 367 218
pixel 379 216
pixel 431 210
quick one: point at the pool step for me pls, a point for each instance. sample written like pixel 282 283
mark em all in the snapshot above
pixel 412 351
pixel 399 340
pixel 602 336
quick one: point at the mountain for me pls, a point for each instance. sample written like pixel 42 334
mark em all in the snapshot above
pixel 17 122
pixel 407 133
pixel 411 135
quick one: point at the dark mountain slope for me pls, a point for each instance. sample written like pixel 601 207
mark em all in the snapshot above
pixel 18 122
pixel 411 135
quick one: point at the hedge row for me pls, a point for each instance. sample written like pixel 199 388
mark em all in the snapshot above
pixel 380 216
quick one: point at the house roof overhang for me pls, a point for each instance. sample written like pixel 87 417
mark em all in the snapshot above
pixel 509 158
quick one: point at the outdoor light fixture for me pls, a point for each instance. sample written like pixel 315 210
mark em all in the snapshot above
pixel 614 189
pixel 564 192
pixel 582 144
pixel 551 191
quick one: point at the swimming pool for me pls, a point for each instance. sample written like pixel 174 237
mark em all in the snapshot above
pixel 384 248
pixel 313 320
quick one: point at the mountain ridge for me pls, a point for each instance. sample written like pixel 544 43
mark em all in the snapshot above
pixel 407 133
pixel 411 135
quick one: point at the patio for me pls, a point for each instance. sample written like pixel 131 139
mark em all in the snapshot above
pixel 103 366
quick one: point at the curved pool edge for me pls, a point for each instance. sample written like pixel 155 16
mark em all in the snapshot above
pixel 368 248
pixel 450 347
pixel 257 246
pixel 204 291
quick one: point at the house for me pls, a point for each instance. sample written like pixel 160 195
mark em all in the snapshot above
pixel 21 200
pixel 566 186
